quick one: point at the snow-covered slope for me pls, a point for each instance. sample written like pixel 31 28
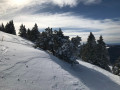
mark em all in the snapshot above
pixel 24 68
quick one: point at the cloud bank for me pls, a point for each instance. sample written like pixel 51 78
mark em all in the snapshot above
pixel 7 5
pixel 72 24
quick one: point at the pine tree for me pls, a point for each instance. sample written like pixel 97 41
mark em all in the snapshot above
pixel 76 45
pixel 89 50
pixel 94 53
pixel 59 45
pixel 64 51
pixel 69 50
pixel 58 39
pixel 102 55
pixel 35 34
pixel 49 39
pixel 116 67
pixel 22 31
pixel 91 40
pixel 49 31
pixel 28 32
pixel 82 51
pixel 2 28
pixel 9 28
pixel 43 41
pixel 60 33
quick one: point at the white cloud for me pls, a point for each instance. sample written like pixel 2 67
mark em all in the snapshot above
pixel 73 3
pixel 107 27
pixel 63 3
pixel 10 6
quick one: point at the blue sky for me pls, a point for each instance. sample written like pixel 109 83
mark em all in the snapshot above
pixel 75 17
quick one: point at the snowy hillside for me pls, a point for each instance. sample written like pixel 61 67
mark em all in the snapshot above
pixel 24 68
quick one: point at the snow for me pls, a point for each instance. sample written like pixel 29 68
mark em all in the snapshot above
pixel 101 79
pixel 24 68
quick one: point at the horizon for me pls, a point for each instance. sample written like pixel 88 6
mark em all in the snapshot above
pixel 74 17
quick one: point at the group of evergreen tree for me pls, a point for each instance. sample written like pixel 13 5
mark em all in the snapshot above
pixel 95 52
pixel 8 28
pixel 53 41
pixel 116 67
pixel 59 44
pixel 31 35
pixel 63 47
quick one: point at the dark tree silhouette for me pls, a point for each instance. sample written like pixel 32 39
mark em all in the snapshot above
pixel 116 67
pixel 9 28
pixel 103 59
pixel 22 31
pixel 88 53
pixel 2 28
pixel 35 34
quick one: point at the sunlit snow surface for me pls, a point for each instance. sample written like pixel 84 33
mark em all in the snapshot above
pixel 24 68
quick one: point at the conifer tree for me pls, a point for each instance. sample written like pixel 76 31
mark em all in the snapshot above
pixel 49 31
pixel 82 51
pixel 35 34
pixel 95 53
pixel 69 50
pixel 49 39
pixel 60 33
pixel 58 38
pixel 28 32
pixel 64 51
pixel 9 28
pixel 89 50
pixel 43 42
pixel 76 45
pixel 102 55
pixel 2 28
pixel 22 31
pixel 116 67
pixel 59 45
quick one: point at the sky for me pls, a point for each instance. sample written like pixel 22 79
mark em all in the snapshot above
pixel 75 17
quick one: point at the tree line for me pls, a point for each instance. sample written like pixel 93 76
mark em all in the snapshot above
pixel 8 28
pixel 95 52
pixel 63 47
pixel 53 41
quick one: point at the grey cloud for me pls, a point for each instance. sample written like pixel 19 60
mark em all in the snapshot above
pixel 88 2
